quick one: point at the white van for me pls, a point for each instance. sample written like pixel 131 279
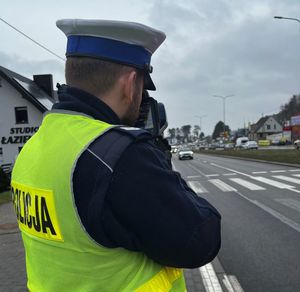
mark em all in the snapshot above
pixel 241 141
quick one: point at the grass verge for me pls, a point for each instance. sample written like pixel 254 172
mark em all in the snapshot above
pixel 5 197
pixel 284 156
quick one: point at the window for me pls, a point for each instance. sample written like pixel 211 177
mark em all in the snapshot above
pixel 1 151
pixel 268 127
pixel 274 127
pixel 21 115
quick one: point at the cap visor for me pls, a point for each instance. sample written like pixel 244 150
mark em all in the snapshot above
pixel 148 83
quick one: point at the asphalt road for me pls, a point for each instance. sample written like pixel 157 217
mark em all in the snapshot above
pixel 260 208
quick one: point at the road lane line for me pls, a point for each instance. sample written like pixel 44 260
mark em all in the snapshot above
pixel 293 170
pixel 222 186
pixel 258 172
pixel 210 279
pixel 235 285
pixel 247 184
pixel 272 212
pixel 229 169
pixel 278 171
pixel 229 174
pixel 298 175
pixel 197 187
pixel 193 176
pixel 272 182
pixel 289 179
pixel 291 203
pixel 195 168
pixel 212 175
pixel 173 165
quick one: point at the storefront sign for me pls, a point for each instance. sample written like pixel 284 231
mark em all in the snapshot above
pixel 16 138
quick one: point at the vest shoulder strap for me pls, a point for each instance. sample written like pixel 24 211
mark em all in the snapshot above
pixel 110 146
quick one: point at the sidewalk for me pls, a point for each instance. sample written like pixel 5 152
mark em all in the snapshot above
pixel 12 262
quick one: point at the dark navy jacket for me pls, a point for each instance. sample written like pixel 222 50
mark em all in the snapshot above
pixel 142 205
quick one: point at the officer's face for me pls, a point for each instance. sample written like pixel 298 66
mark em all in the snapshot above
pixel 134 108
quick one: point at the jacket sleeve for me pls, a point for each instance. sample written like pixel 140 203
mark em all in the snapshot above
pixel 150 208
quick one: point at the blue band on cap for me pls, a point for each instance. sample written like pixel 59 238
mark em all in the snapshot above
pixel 113 50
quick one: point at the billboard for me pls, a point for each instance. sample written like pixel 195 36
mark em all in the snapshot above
pixel 295 121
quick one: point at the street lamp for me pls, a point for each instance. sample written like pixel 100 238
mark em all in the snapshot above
pixel 224 99
pixel 200 122
pixel 289 18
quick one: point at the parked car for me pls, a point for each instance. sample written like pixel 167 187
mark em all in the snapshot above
pixel 229 146
pixel 250 145
pixel 297 144
pixel 185 153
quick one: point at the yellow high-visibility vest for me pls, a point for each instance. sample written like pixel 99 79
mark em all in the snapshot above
pixel 60 255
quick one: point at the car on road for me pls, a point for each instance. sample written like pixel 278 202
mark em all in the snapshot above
pixel 250 145
pixel 185 153
pixel 297 144
pixel 241 141
pixel 174 149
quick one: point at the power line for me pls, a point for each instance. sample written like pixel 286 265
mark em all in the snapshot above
pixel 28 37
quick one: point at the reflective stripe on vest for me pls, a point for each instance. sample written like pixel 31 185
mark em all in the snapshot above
pixel 60 255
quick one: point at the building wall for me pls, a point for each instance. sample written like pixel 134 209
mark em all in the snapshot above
pixel 14 135
pixel 270 126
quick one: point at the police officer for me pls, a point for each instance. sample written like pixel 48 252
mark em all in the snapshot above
pixel 99 207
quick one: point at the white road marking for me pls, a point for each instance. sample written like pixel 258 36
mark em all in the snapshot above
pixel 258 172
pixel 211 175
pixel 292 170
pixel 247 184
pixel 272 182
pixel 210 279
pixel 232 284
pixel 291 203
pixel 289 179
pixel 197 187
pixel 229 174
pixel 274 213
pixel 195 168
pixel 222 186
pixel 298 175
pixel 173 166
pixel 278 171
pixel 265 180
pixel 193 176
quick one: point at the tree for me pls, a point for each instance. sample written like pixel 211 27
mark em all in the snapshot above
pixel 172 133
pixel 292 108
pixel 178 135
pixel 219 128
pixel 201 135
pixel 196 131
pixel 186 130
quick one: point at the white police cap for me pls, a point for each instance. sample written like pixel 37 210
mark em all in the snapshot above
pixel 128 43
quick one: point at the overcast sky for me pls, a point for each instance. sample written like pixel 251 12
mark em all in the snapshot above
pixel 213 47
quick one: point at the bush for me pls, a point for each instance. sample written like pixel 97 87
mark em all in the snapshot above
pixel 4 181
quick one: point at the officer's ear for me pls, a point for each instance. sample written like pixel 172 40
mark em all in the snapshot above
pixel 129 85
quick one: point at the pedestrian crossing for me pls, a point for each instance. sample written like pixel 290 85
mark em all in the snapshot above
pixel 252 183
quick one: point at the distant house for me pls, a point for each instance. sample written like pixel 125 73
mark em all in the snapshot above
pixel 22 104
pixel 266 126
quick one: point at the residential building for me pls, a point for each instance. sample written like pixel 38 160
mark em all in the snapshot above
pixel 265 126
pixel 22 104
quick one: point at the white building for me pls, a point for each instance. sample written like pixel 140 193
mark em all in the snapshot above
pixel 22 104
